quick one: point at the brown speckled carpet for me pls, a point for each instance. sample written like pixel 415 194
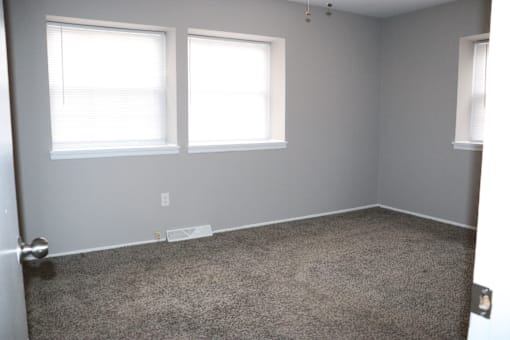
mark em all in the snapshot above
pixel 372 274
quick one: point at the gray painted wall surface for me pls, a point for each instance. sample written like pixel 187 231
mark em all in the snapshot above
pixel 418 168
pixel 332 105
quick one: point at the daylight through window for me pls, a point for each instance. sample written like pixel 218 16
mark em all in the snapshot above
pixel 107 87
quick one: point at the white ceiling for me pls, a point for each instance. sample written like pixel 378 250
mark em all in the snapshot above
pixel 377 8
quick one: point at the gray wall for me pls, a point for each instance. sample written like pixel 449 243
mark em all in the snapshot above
pixel 332 105
pixel 342 153
pixel 418 168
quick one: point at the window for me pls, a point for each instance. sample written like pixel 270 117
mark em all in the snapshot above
pixel 478 95
pixel 471 92
pixel 236 94
pixel 108 91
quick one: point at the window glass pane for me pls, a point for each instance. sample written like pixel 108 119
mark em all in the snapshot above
pixel 228 90
pixel 478 96
pixel 107 86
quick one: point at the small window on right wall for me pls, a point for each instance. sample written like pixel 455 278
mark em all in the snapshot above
pixel 473 55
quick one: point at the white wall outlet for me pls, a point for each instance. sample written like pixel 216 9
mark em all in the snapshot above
pixel 157 235
pixel 165 199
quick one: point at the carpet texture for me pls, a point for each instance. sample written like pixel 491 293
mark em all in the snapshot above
pixel 372 274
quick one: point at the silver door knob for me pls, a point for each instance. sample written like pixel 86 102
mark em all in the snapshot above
pixel 38 248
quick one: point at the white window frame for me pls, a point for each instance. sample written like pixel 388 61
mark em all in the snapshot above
pixel 276 119
pixel 462 139
pixel 171 146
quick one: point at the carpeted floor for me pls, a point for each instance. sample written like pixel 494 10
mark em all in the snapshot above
pixel 372 274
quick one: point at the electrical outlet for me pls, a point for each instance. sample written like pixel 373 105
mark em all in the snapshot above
pixel 157 235
pixel 165 199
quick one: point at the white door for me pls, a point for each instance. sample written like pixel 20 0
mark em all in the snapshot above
pixel 492 261
pixel 13 323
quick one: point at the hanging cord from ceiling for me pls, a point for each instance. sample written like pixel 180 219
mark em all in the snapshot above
pixel 308 12
pixel 329 5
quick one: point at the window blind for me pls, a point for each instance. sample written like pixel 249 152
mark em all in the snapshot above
pixel 228 90
pixel 478 96
pixel 107 86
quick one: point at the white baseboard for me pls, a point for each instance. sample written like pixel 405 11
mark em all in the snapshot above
pixel 456 224
pixel 88 250
pixel 114 246
pixel 255 225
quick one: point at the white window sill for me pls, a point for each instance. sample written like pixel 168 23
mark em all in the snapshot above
pixel 466 145
pixel 237 146
pixel 114 152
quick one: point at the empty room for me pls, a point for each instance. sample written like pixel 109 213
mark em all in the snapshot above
pixel 254 169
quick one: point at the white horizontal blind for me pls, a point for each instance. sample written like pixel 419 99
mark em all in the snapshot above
pixel 107 86
pixel 478 96
pixel 228 90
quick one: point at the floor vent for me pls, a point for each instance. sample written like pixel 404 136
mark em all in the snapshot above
pixel 188 233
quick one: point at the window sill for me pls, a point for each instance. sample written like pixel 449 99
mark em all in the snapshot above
pixel 470 146
pixel 239 146
pixel 114 152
